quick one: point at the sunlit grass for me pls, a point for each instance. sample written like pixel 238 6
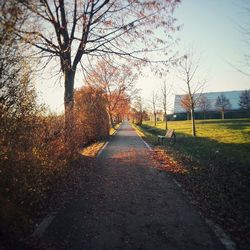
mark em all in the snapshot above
pixel 229 139
pixel 93 149
pixel 227 131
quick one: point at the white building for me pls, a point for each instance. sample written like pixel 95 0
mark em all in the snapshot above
pixel 233 96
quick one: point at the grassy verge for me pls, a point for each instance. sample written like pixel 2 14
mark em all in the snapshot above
pixel 113 130
pixel 213 168
pixel 93 149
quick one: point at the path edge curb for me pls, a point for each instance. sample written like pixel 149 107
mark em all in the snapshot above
pixel 147 145
pixel 106 143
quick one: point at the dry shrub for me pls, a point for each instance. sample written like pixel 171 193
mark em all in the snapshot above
pixel 91 118
pixel 32 155
pixel 31 158
pixel 34 161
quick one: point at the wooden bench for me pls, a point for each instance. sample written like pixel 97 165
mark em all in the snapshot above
pixel 170 136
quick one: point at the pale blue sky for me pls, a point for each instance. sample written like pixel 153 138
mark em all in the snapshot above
pixel 212 27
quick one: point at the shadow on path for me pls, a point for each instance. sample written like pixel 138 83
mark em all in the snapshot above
pixel 128 204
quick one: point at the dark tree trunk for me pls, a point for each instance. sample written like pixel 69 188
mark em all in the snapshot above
pixel 193 123
pixel 69 105
pixel 166 121
pixel 155 119
pixel 141 119
pixel 111 120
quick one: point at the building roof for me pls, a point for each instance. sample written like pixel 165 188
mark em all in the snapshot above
pixel 233 97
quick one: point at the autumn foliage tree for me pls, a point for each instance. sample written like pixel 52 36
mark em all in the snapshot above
pixel 71 31
pixel 186 105
pixel 122 108
pixel 116 83
pixel 92 121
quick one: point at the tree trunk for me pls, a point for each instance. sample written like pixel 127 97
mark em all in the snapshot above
pixel 140 121
pixel 166 121
pixel 222 115
pixel 155 119
pixel 69 77
pixel 111 120
pixel 193 123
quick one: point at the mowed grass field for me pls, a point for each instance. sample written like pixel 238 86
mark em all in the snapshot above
pixel 228 139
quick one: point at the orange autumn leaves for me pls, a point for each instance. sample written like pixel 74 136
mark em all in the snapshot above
pixel 164 162
pixel 116 84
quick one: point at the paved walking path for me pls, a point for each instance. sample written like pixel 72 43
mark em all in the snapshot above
pixel 128 204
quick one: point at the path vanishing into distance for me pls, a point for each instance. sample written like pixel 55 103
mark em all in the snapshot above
pixel 128 204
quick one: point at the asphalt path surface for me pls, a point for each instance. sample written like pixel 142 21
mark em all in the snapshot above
pixel 128 204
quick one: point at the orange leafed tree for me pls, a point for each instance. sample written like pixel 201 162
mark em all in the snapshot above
pixel 186 104
pixel 116 83
pixel 91 117
pixel 121 110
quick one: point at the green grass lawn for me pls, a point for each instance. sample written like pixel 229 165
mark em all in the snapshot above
pixel 228 139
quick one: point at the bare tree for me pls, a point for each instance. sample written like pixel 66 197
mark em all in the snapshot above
pixel 222 104
pixel 188 70
pixel 244 101
pixel 165 94
pixel 70 30
pixel 204 104
pixel 244 66
pixel 154 105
